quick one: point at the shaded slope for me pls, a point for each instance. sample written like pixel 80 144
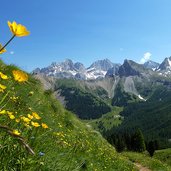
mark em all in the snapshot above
pixel 85 104
pixel 152 116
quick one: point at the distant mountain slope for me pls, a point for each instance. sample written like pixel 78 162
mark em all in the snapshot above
pixel 79 100
pixel 153 117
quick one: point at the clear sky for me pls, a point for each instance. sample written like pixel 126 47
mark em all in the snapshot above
pixel 86 30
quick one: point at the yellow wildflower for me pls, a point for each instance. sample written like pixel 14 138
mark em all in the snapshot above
pixel 14 98
pixel 35 124
pixel 18 29
pixel 3 76
pixel 44 126
pixel 36 116
pixel 9 113
pixel 16 132
pixel 2 50
pixel 17 120
pixel 11 116
pixel 2 87
pixel 27 125
pixel 3 112
pixel 25 119
pixel 30 116
pixel 20 76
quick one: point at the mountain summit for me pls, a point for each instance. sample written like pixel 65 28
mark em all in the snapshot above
pixel 166 64
pixel 104 68
pixel 102 65
pixel 129 68
pixel 68 69
pixel 151 65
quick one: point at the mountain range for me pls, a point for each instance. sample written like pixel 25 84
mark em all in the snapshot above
pixel 142 91
pixel 100 69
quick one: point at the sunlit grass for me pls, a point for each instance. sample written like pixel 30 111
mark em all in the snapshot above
pixel 65 144
pixel 145 160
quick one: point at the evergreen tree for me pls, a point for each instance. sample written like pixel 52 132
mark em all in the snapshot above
pixel 127 138
pixel 120 144
pixel 137 141
pixel 151 148
pixel 156 144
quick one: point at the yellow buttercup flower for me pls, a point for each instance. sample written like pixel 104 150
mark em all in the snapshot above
pixel 2 50
pixel 27 125
pixel 3 76
pixel 16 132
pixel 2 88
pixel 35 124
pixel 11 116
pixel 17 120
pixel 44 126
pixel 18 29
pixel 19 76
pixel 30 116
pixel 25 119
pixel 3 112
pixel 9 113
pixel 36 116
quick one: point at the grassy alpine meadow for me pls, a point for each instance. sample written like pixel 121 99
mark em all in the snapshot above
pixel 37 133
pixel 107 121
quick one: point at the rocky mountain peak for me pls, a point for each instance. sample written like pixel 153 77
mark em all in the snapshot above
pixel 102 65
pixel 166 64
pixel 79 66
pixel 67 65
pixel 151 65
pixel 129 68
pixel 105 68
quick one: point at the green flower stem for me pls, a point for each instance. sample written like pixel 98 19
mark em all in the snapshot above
pixel 7 43
pixel 4 97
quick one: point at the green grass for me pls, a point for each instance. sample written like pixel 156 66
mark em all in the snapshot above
pixel 146 161
pixel 107 121
pixel 163 155
pixel 67 145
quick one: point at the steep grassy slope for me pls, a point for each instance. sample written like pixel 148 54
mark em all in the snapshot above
pixel 67 143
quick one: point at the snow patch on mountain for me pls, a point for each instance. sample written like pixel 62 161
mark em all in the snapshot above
pixel 141 98
pixel 169 62
pixel 94 74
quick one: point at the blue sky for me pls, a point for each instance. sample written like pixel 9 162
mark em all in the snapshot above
pixel 86 30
